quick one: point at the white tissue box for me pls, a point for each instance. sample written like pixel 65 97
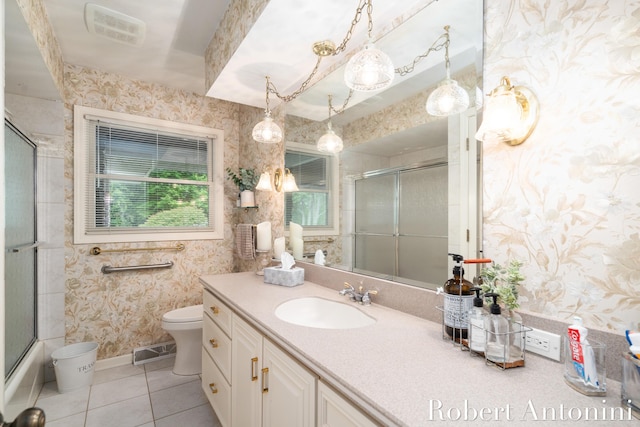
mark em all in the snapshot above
pixel 278 276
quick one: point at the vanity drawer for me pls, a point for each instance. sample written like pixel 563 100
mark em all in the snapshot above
pixel 218 345
pixel 217 389
pixel 218 311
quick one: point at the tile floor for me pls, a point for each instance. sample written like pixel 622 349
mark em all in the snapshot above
pixel 147 395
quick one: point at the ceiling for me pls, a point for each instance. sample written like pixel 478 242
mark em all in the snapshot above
pixel 279 45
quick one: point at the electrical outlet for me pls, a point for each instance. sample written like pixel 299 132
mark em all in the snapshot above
pixel 543 343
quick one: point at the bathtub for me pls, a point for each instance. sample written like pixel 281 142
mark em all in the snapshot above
pixel 22 388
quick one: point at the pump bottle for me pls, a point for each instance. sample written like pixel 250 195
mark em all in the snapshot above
pixel 458 300
pixel 477 316
pixel 497 330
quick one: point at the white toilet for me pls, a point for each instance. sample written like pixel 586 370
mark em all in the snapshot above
pixel 185 326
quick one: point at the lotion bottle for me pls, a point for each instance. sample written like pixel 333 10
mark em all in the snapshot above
pixel 477 338
pixel 497 329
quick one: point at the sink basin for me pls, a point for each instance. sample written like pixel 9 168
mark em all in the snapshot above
pixel 318 312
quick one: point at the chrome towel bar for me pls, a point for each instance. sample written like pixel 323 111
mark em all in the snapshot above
pixel 177 247
pixel 106 269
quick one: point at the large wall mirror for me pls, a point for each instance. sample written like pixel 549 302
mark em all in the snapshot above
pixel 404 192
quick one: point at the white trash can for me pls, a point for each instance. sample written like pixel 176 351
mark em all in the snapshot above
pixel 74 365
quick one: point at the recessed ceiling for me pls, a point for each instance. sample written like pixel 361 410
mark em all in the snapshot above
pixel 279 45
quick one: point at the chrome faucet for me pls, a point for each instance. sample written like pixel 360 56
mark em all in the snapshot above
pixel 360 296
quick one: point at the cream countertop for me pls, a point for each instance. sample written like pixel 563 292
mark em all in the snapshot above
pixel 402 372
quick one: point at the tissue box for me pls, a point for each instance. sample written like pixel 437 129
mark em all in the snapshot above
pixel 278 276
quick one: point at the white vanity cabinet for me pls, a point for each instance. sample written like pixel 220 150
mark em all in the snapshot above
pixel 335 411
pixel 270 389
pixel 216 357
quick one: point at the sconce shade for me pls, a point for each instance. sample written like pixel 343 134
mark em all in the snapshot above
pixel 330 142
pixel 265 182
pixel 289 184
pixel 510 114
pixel 447 99
pixel 369 70
pixel 267 130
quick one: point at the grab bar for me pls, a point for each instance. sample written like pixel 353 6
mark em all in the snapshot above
pixel 97 251
pixel 24 247
pixel 106 269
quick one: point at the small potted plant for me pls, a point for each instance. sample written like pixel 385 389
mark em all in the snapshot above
pixel 246 180
pixel 503 280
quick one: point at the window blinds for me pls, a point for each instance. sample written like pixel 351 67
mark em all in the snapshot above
pixel 146 178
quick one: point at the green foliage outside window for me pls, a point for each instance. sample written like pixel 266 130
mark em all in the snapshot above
pixel 134 204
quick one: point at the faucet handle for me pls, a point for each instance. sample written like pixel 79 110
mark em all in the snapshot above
pixel 348 289
pixel 366 297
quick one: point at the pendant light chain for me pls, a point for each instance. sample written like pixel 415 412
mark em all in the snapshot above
pixel 332 51
pixel 441 42
pixel 344 104
pixel 287 98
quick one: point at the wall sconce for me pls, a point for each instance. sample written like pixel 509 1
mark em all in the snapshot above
pixel 264 183
pixel 280 183
pixel 510 114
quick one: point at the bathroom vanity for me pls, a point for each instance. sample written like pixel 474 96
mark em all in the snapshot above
pixel 259 369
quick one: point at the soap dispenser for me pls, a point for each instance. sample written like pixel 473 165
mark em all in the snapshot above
pixel 477 316
pixel 458 300
pixel 497 329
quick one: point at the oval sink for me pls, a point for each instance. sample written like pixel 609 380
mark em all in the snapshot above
pixel 318 312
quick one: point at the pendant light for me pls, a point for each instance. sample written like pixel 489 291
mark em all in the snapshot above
pixel 267 130
pixel 370 69
pixel 330 142
pixel 448 98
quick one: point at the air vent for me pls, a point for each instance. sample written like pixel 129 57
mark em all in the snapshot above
pixel 114 25
pixel 154 352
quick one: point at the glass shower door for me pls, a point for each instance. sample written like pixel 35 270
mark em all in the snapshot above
pixel 20 247
pixel 375 225
pixel 423 225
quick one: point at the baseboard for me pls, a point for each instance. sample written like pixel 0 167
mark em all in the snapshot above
pixel 126 359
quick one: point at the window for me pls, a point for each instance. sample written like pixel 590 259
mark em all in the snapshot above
pixel 141 179
pixel 315 206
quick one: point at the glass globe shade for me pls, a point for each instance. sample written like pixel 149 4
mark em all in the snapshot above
pixel 447 99
pixel 368 70
pixel 330 142
pixel 502 117
pixel 267 131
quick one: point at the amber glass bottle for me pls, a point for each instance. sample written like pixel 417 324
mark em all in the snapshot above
pixel 458 301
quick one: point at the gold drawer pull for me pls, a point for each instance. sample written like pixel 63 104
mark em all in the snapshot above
pixel 213 342
pixel 254 365
pixel 213 388
pixel 265 380
pixel 214 309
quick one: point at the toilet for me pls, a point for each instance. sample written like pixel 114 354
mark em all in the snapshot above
pixel 185 326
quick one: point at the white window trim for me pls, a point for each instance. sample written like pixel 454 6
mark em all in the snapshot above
pixel 335 192
pixel 80 172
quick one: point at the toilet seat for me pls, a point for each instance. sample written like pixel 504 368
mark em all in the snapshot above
pixel 184 315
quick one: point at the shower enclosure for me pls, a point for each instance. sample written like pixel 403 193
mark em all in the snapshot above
pixel 401 225
pixel 20 247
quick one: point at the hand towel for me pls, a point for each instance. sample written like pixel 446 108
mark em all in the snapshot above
pixel 246 241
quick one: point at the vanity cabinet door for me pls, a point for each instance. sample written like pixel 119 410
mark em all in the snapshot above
pixel 334 411
pixel 288 390
pixel 246 348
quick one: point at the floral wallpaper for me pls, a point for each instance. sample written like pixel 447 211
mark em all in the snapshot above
pixel 234 26
pixel 566 201
pixel 124 311
pixel 36 17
